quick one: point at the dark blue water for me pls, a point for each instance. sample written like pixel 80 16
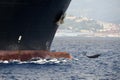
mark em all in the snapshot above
pixel 105 67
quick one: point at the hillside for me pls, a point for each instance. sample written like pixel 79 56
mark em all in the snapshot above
pixel 83 26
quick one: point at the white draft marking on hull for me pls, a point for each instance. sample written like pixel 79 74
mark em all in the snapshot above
pixel 19 38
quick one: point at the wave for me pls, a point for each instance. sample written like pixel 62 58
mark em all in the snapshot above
pixel 36 61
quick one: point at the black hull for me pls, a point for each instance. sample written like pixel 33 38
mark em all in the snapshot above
pixel 29 24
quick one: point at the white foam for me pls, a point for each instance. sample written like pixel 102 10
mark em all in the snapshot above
pixel 4 62
pixel 38 61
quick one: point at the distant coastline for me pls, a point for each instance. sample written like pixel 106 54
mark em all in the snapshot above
pixel 83 26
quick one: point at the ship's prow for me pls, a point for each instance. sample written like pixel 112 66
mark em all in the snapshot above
pixel 29 24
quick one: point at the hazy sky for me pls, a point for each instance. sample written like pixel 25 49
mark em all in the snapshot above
pixel 105 10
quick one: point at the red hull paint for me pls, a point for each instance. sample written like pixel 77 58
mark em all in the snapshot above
pixel 25 55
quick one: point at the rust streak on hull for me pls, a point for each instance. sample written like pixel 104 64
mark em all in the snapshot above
pixel 24 55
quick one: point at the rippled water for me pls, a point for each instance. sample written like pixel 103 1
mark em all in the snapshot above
pixel 105 67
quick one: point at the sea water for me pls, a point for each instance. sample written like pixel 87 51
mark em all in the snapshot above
pixel 104 67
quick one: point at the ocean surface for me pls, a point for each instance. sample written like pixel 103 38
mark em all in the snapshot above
pixel 104 67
